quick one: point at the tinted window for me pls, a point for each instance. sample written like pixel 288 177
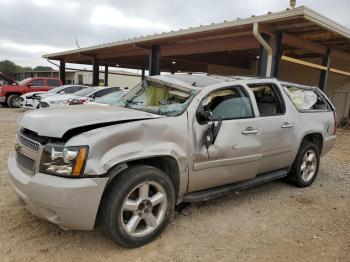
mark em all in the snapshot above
pixel 38 82
pixel 230 103
pixel 85 91
pixel 268 99
pixel 305 98
pixel 104 91
pixel 53 82
pixel 72 89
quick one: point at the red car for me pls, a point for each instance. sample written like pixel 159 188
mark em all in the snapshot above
pixel 10 93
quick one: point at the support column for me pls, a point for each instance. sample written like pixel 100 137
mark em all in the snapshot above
pixel 263 55
pixel 95 72
pixel 154 65
pixel 63 71
pixel 277 52
pixel 326 61
pixel 106 75
pixel 143 74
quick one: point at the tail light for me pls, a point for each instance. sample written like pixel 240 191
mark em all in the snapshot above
pixel 335 121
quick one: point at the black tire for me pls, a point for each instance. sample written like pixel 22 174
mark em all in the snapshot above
pixel 111 212
pixel 295 175
pixel 11 101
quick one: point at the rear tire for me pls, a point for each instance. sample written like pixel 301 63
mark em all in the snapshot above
pixel 13 101
pixel 137 206
pixel 306 165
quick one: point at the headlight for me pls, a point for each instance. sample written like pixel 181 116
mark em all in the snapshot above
pixel 63 161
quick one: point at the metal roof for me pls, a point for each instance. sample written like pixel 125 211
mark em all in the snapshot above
pixel 304 12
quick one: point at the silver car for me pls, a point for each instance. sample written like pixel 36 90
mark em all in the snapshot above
pixel 171 139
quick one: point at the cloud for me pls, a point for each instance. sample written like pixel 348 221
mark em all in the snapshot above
pixel 109 16
pixel 31 28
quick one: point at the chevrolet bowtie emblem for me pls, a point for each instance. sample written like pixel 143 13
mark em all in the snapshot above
pixel 17 147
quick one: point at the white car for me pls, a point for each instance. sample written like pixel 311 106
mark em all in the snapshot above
pixel 78 98
pixel 32 100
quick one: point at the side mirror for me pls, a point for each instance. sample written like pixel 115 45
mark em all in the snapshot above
pixel 212 132
pixel 203 116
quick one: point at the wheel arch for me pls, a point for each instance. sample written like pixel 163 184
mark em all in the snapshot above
pixel 316 138
pixel 168 164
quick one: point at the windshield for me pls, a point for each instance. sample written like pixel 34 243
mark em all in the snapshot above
pixel 24 82
pixel 111 99
pixel 85 92
pixel 56 89
pixel 158 98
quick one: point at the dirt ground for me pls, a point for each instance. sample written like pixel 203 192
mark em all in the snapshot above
pixel 273 222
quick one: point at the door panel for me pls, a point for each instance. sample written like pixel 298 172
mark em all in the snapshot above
pixel 235 155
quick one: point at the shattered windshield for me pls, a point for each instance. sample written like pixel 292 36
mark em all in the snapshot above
pixel 158 98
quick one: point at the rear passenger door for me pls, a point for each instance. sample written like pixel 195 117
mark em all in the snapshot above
pixel 235 155
pixel 276 127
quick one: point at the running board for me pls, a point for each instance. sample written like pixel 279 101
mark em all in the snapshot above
pixel 207 194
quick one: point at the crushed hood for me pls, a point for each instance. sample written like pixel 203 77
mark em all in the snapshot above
pixel 55 122
pixel 7 78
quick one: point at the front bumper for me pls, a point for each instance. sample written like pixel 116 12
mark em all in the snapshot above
pixel 71 203
pixel 2 99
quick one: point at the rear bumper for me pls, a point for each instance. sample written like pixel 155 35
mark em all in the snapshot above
pixel 328 144
pixel 2 99
pixel 67 202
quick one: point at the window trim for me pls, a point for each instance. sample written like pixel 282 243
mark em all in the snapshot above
pixel 329 109
pixel 244 91
pixel 277 91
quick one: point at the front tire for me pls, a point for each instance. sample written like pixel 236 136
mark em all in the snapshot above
pixel 306 165
pixel 137 206
pixel 13 101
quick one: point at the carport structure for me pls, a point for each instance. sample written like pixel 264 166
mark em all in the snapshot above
pixel 255 45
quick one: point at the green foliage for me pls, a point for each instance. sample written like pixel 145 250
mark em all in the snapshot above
pixel 9 68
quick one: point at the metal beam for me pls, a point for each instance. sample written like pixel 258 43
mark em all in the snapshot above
pixel 63 71
pixel 95 72
pixel 210 46
pixel 154 65
pixel 277 52
pixel 326 61
pixel 106 75
pixel 263 57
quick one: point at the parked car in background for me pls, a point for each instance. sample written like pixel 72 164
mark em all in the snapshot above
pixel 32 100
pixel 171 139
pixel 10 94
pixel 80 97
pixel 110 99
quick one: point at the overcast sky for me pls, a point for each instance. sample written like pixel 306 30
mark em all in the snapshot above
pixel 31 28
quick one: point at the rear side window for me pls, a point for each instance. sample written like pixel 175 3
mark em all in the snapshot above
pixel 268 99
pixel 229 103
pixel 38 82
pixel 53 82
pixel 305 98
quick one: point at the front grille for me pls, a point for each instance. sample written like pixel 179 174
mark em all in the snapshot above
pixel 28 143
pixel 25 162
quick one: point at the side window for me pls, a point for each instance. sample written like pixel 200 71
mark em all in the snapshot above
pixel 53 82
pixel 229 103
pixel 305 98
pixel 38 82
pixel 72 89
pixel 268 99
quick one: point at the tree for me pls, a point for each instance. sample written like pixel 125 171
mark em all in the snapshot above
pixel 8 67
pixel 43 68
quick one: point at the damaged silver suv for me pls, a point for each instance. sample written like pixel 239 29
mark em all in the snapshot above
pixel 172 139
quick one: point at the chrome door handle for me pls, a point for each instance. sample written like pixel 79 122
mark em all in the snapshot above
pixel 286 125
pixel 250 131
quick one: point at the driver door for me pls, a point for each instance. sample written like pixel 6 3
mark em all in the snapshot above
pixel 235 154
